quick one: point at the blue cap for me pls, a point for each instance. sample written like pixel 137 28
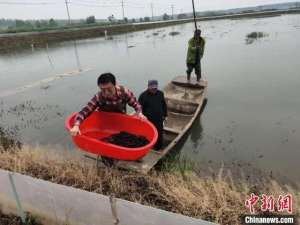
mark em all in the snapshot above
pixel 152 84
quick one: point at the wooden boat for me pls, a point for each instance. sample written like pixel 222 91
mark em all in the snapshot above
pixel 184 101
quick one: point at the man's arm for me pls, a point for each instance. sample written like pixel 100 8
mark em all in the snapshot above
pixel 87 110
pixel 131 101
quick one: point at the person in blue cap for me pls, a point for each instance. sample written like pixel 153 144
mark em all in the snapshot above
pixel 154 107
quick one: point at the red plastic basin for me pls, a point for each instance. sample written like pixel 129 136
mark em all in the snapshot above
pixel 102 124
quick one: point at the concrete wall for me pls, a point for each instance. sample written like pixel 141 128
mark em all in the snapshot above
pixel 58 204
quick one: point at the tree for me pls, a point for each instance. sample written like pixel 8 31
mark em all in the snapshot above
pixel 23 24
pixel 133 21
pixel 90 20
pixel 141 20
pixel 52 23
pixel 147 19
pixel 182 16
pixel 44 23
pixel 37 24
pixel 111 18
pixel 166 16
pixel 125 19
pixel 20 23
pixel 4 23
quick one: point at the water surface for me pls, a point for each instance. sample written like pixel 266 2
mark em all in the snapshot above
pixel 251 119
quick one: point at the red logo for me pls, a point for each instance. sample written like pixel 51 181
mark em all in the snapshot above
pixel 267 203
pixel 283 203
pixel 250 203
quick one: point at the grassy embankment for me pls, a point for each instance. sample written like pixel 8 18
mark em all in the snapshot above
pixel 219 199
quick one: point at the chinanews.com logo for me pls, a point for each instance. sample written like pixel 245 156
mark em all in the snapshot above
pixel 272 210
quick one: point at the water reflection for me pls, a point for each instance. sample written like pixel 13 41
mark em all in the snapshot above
pixel 197 128
pixel 49 59
pixel 127 45
pixel 154 39
pixel 77 56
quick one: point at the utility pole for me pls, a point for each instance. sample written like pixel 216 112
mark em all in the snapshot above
pixel 152 11
pixel 67 6
pixel 123 13
pixel 172 6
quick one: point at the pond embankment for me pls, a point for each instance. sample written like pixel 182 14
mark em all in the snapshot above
pixel 218 198
pixel 41 39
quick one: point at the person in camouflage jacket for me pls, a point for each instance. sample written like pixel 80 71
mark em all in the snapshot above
pixel 194 55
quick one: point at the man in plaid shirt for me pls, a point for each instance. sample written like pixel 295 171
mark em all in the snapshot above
pixel 111 98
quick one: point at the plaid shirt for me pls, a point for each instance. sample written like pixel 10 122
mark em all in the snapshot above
pixel 122 97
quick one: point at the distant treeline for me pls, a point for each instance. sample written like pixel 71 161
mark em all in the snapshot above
pixel 16 26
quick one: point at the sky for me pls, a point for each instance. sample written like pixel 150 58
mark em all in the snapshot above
pixel 101 9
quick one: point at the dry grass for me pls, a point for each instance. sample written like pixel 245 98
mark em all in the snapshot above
pixel 219 199
pixel 14 220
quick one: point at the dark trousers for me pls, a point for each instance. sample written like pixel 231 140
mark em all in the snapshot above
pixel 197 68
pixel 160 129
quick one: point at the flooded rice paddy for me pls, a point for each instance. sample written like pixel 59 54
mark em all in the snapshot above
pixel 251 120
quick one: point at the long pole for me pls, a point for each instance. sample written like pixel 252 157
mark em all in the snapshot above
pixel 172 11
pixel 194 12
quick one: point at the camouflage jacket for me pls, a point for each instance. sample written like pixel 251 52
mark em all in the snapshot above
pixel 192 51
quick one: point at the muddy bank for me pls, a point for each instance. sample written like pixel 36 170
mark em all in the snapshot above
pixel 8 142
pixel 41 39
pixel 218 199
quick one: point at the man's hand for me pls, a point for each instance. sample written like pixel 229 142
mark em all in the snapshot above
pixel 165 120
pixel 75 130
pixel 140 116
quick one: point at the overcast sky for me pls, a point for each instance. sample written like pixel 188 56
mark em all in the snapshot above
pixel 45 9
